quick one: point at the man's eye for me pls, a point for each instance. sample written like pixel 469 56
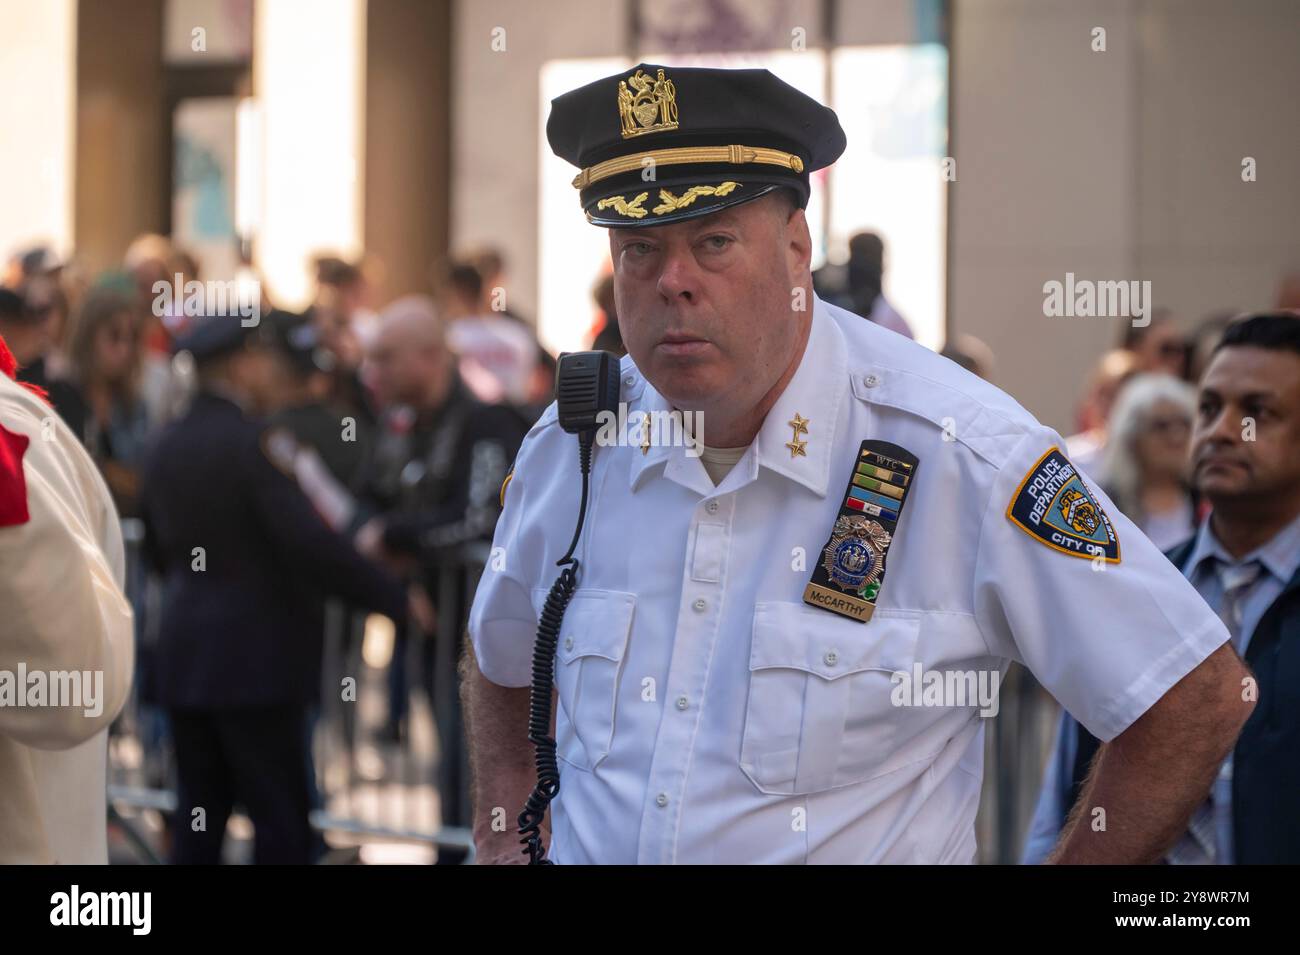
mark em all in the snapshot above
pixel 639 248
pixel 717 243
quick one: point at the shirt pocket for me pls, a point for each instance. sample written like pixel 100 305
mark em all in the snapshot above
pixel 819 713
pixel 588 661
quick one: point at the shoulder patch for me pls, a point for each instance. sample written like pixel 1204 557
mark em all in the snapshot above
pixel 1055 507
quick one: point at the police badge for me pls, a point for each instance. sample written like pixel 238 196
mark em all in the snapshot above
pixel 856 553
pixel 848 579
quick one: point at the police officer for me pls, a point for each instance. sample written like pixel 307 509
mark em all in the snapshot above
pixel 305 408
pixel 787 625
pixel 322 442
pixel 246 562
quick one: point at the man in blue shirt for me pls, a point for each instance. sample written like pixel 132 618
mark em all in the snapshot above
pixel 1245 561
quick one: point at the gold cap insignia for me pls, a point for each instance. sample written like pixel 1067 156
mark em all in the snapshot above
pixel 651 109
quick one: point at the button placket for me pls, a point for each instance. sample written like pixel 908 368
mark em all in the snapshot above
pixel 697 632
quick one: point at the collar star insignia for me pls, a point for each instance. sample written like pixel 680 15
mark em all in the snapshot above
pixel 800 426
pixel 645 436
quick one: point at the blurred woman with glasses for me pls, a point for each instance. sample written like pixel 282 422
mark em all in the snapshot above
pixel 1144 468
pixel 104 354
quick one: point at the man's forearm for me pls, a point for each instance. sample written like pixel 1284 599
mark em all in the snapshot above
pixel 1146 783
pixel 502 769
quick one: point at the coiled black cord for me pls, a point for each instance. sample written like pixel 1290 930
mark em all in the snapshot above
pixel 539 702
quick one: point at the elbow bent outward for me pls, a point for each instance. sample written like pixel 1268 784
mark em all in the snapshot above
pixel 1145 784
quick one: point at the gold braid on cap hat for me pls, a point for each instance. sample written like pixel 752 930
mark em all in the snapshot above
pixel 686 154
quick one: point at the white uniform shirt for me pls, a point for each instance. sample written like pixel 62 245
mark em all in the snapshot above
pixel 708 715
pixel 61 610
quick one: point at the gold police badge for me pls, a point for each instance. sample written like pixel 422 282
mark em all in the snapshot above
pixel 652 108
pixel 854 557
pixel 852 571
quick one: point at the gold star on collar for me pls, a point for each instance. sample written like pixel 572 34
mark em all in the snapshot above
pixel 800 426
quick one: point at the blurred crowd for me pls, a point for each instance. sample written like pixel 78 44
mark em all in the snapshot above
pixel 268 462
pixel 109 357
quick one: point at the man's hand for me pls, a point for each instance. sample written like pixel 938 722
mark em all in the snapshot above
pixel 369 539
pixel 1150 778
pixel 500 854
pixel 421 609
pixel 369 542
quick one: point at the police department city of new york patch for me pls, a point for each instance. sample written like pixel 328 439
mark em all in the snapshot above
pixel 1054 506
pixel 852 569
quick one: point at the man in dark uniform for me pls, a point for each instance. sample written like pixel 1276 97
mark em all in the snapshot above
pixel 305 407
pixel 246 561
pixel 322 442
pixel 325 444
pixel 434 485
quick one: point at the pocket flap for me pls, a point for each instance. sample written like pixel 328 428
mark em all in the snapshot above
pixel 817 641
pixel 596 624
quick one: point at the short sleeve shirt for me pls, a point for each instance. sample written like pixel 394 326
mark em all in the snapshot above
pixel 707 714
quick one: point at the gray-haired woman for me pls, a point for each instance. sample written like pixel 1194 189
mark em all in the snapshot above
pixel 1144 468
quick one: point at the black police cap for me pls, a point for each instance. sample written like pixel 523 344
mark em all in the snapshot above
pixel 710 138
pixel 297 337
pixel 213 336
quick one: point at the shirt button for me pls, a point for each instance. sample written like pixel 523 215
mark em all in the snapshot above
pixel 661 799
pixel 871 381
pixel 568 644
pixel 628 380
pixel 711 507
pixel 831 658
pixel 699 606
pixel 682 703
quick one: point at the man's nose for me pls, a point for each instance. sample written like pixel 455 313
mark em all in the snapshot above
pixel 679 277
pixel 1225 429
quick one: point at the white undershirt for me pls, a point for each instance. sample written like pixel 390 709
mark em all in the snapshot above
pixel 718 462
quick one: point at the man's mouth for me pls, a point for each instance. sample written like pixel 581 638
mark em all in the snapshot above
pixel 680 345
pixel 1215 462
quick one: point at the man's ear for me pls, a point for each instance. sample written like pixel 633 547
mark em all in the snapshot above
pixel 798 243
